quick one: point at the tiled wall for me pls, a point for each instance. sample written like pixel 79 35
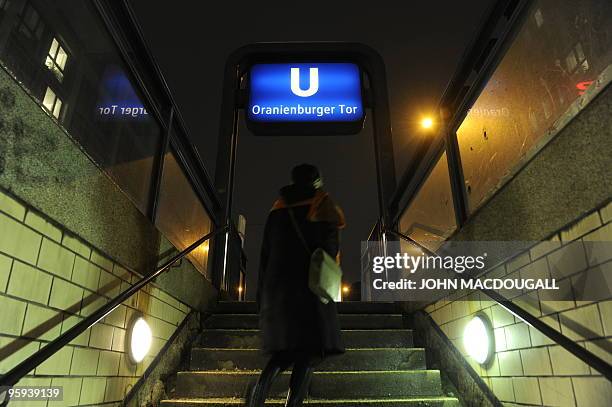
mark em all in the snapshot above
pixel 45 271
pixel 528 368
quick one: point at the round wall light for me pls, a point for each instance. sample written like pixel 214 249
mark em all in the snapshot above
pixel 479 340
pixel 139 339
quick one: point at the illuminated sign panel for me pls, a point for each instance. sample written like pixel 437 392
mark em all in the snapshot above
pixel 305 98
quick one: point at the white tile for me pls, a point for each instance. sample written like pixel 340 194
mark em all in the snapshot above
pixel 557 391
pixel 11 207
pixel 58 364
pixel 605 308
pixel 66 296
pixel 18 349
pixel 581 323
pixel 565 363
pixel 12 315
pixel 510 363
pixel 568 260
pixel 501 317
pixel 502 388
pixel 592 391
pixel 56 259
pixel 29 283
pixel 5 269
pixel 536 362
pixel 606 212
pixel 527 390
pixel 42 323
pixel 84 362
pixel 517 336
pixel 581 228
pixel 92 391
pixel 71 391
pixel 18 240
pixel 43 226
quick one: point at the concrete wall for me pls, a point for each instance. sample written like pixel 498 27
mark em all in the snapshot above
pixel 44 271
pixel 40 163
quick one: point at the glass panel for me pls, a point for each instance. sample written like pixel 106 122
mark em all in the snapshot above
pixel 181 216
pixel 49 100
pixel 430 218
pixel 562 47
pixel 61 58
pixel 102 109
pixel 57 109
pixel 53 49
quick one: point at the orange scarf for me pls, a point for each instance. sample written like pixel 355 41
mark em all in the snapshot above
pixel 322 208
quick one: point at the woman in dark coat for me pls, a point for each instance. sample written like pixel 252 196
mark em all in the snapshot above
pixel 298 329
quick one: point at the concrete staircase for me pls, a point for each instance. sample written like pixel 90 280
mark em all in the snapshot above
pixel 380 368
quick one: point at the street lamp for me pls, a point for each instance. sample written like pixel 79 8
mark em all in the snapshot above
pixel 427 123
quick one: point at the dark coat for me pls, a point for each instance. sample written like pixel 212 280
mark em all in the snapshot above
pixel 292 318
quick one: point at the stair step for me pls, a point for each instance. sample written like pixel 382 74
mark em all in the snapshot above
pixel 403 402
pixel 347 321
pixel 372 384
pixel 353 359
pixel 369 338
pixel 349 307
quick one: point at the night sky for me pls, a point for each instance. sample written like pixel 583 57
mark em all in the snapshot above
pixel 421 42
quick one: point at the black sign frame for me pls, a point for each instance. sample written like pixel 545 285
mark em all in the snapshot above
pixel 235 98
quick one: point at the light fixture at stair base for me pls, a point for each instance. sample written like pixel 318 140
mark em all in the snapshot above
pixel 139 339
pixel 479 340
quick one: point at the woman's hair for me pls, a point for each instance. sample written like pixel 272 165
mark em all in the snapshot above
pixel 306 175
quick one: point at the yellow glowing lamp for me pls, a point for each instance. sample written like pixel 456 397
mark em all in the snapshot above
pixel 140 339
pixel 479 340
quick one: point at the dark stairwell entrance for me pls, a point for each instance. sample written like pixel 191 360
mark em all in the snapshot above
pixel 380 368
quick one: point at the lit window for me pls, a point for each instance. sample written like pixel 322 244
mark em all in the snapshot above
pixel 56 59
pixel 52 103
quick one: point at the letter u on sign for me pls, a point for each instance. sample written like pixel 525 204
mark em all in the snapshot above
pixel 313 82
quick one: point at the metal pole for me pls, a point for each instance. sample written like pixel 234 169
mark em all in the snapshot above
pixel 159 171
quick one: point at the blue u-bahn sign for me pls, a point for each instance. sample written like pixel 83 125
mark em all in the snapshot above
pixel 305 98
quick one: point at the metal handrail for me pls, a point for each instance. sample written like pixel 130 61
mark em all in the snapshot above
pixel 15 374
pixel 566 343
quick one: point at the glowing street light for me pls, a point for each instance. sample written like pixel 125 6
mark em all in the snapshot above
pixel 427 123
